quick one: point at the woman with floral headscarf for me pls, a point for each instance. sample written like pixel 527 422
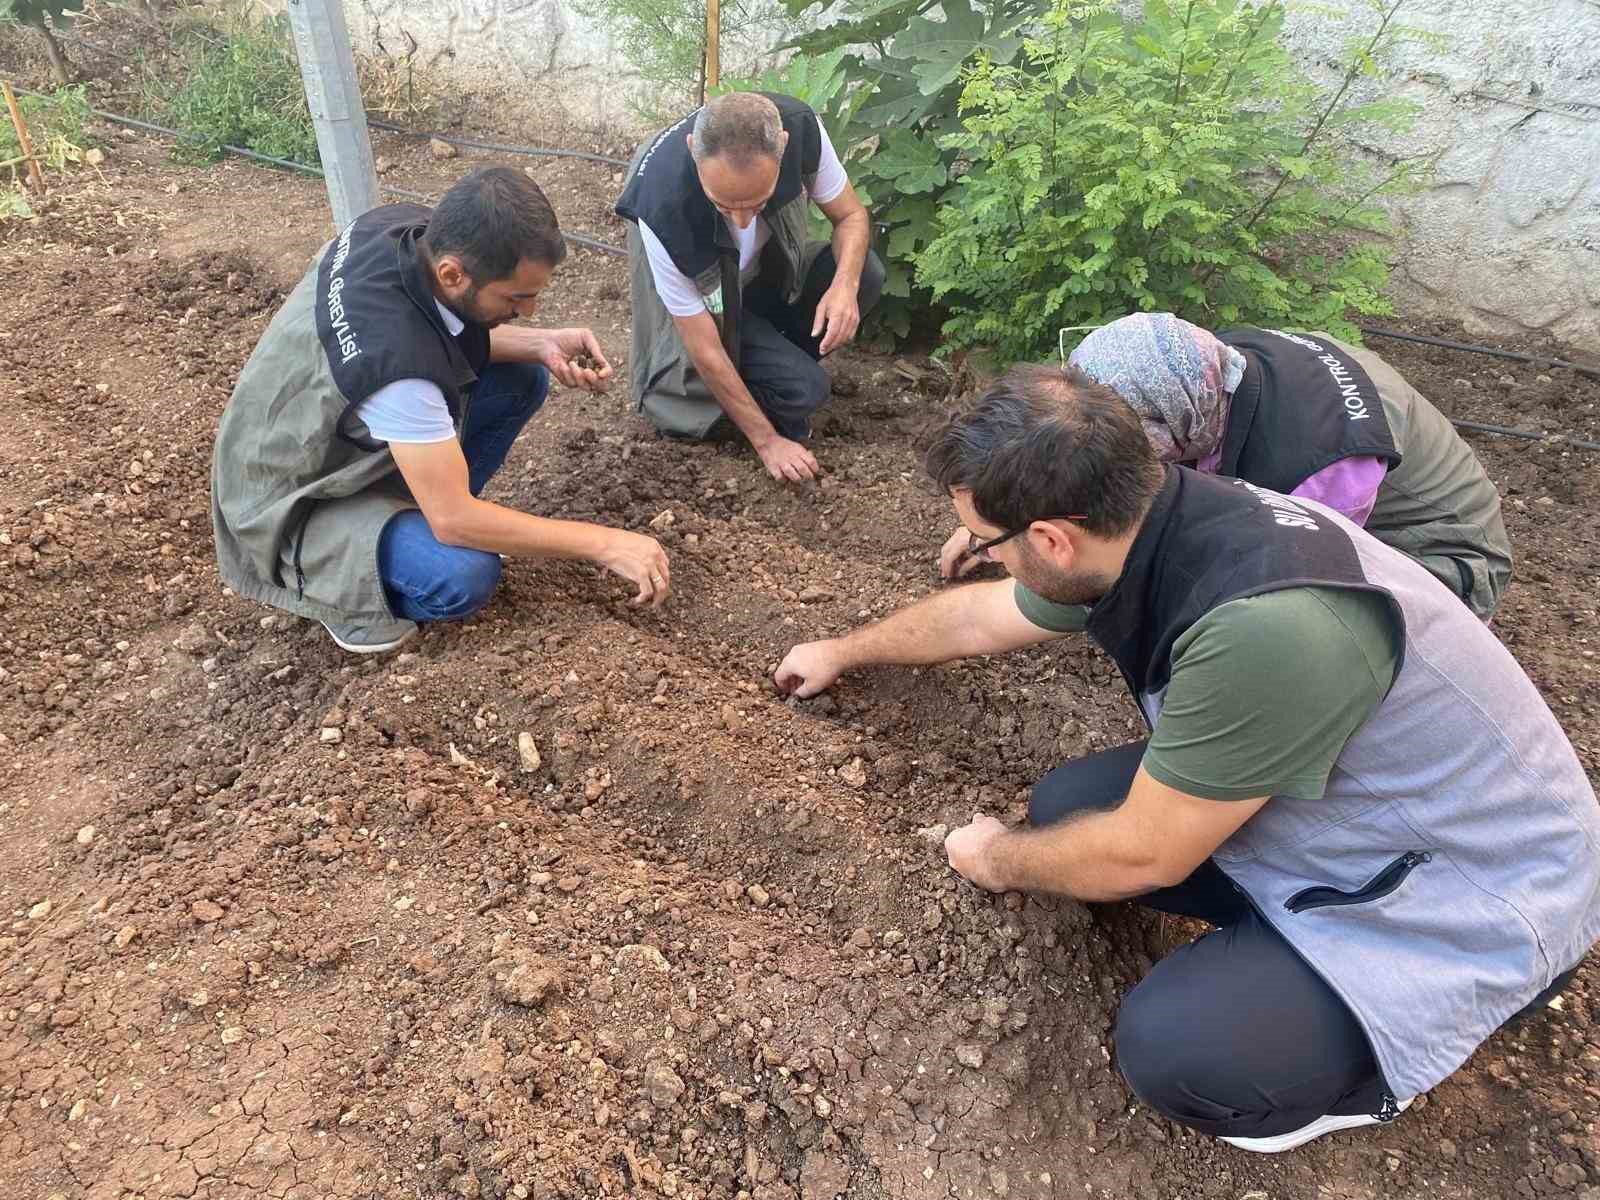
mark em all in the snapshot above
pixel 1306 415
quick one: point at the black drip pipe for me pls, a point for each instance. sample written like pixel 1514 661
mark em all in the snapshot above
pixel 308 169
pixel 1537 359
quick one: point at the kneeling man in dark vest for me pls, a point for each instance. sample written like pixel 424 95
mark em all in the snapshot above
pixel 733 306
pixel 381 400
pixel 1346 772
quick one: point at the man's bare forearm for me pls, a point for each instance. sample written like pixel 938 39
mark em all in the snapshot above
pixel 850 238
pixel 1091 857
pixel 730 392
pixel 703 342
pixel 484 525
pixel 517 343
pixel 978 618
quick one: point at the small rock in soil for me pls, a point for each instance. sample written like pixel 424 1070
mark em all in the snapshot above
pixel 662 1085
pixel 635 957
pixel 94 156
pixel 969 1055
pixel 814 594
pixel 86 835
pixel 823 1176
pixel 441 149
pixel 206 911
pixel 383 165
pixel 854 773
pixel 528 752
pixel 530 980
pixel 39 911
pixel 193 640
pixel 125 936
pixel 758 895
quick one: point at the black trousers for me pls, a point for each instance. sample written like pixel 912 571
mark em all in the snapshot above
pixel 1232 1034
pixel 778 357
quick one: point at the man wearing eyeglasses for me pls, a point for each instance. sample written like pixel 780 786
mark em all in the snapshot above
pixel 1346 772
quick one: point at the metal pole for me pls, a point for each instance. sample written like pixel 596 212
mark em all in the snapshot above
pixel 322 41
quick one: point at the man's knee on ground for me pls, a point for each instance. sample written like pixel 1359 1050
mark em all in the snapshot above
pixel 1160 1063
pixel 464 587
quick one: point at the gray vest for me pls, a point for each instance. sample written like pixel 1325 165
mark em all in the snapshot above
pixel 1464 767
pixel 1452 869
pixel 299 490
pixel 665 383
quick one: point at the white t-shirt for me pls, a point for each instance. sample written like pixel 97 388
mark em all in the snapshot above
pixel 678 292
pixel 411 410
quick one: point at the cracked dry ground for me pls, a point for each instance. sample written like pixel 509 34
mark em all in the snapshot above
pixel 283 923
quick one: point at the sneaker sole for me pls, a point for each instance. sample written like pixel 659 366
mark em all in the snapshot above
pixel 1307 1133
pixel 369 647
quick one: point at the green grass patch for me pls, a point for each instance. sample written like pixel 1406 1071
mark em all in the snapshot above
pixel 242 88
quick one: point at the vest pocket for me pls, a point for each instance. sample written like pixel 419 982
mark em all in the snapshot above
pixel 1381 884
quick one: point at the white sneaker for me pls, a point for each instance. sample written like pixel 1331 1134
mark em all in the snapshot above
pixel 1322 1125
pixel 370 639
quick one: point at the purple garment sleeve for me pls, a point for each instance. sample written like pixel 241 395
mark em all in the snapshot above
pixel 1349 486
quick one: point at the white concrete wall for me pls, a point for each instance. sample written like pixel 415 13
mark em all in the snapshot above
pixel 1506 239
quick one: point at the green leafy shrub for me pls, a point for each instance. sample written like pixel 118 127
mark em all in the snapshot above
pixel 55 127
pixel 886 79
pixel 1178 162
pixel 244 90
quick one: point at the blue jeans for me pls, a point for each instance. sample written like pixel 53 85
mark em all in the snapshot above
pixel 426 579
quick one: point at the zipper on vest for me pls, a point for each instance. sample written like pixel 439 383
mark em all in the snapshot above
pixel 299 545
pixel 1381 884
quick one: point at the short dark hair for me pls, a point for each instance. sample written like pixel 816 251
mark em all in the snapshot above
pixel 742 126
pixel 492 220
pixel 1042 443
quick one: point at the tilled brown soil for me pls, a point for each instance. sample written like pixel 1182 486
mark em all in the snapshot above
pixel 286 923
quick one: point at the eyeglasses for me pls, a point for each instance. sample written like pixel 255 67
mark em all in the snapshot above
pixel 981 549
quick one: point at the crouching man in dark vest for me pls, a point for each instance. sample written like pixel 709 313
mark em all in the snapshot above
pixel 732 305
pixel 1346 772
pixel 383 397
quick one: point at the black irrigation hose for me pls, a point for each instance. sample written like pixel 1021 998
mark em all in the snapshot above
pixel 1538 359
pixel 473 144
pixel 306 168
pixel 1526 434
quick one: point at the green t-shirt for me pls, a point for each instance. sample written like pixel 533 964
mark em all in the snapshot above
pixel 1265 691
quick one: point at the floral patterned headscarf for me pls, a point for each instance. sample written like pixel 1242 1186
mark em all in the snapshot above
pixel 1178 378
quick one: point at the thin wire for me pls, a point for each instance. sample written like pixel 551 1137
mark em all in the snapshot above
pixel 503 148
pixel 606 247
